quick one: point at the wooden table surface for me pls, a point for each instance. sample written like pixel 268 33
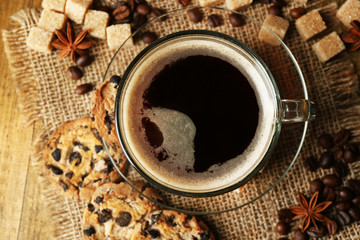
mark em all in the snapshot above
pixel 18 191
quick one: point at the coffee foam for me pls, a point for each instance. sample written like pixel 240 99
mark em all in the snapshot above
pixel 179 130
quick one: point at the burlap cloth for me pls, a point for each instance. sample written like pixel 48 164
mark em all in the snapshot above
pixel 45 93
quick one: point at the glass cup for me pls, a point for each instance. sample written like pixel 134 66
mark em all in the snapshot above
pixel 277 110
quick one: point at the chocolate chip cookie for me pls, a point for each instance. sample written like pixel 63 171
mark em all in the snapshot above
pixel 102 110
pixel 115 211
pixel 76 160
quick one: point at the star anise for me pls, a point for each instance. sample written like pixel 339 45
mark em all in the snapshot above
pixel 68 45
pixel 310 212
pixel 353 35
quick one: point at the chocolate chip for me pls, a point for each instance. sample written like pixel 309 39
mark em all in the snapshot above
pixel 331 227
pixel 170 221
pixel 56 170
pixel 183 3
pixel 84 60
pixel 123 219
pixel 148 37
pixel 342 137
pixel 341 169
pixel 328 194
pixel 143 9
pixel 274 10
pixel 296 13
pixel 195 15
pixel 91 207
pixel 349 156
pixel 285 215
pixel 64 185
pixel 99 199
pixel 89 231
pixel 110 166
pixel 342 206
pixel 311 164
pixel 98 148
pixel 354 212
pixel 343 218
pixel 74 155
pixel 115 79
pixel 236 20
pixel 74 73
pixel 204 236
pixel 326 160
pixel 331 180
pixel 108 121
pixel 214 20
pixel 316 186
pixel 83 88
pixel 104 216
pixel 155 218
pixel 282 228
pixel 56 154
pixel 154 233
pixel 69 175
pixel 300 235
pixel 85 148
pixel 312 232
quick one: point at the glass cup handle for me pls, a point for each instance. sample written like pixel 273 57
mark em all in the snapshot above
pixel 299 110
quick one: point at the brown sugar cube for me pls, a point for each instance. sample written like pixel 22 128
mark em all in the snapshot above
pixel 55 5
pixel 237 4
pixel 310 24
pixel 96 22
pixel 277 25
pixel 349 11
pixel 210 2
pixel 76 9
pixel 117 34
pixel 40 40
pixel 51 20
pixel 328 47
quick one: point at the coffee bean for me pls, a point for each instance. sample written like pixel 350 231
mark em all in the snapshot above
pixel 214 20
pixel 282 228
pixel 83 88
pixel 56 170
pixel 316 186
pixel 89 231
pixel 311 164
pixel 312 232
pixel 148 37
pixel 342 206
pixel 356 201
pixel 279 3
pixel 285 215
pixel 349 156
pixel 331 227
pixel 156 12
pixel 56 154
pixel 140 20
pixel 121 12
pixel 74 73
pixel 343 218
pixel 342 137
pixel 326 160
pixel 84 60
pixel 354 186
pixel 183 3
pixel 354 212
pixel 123 219
pixel 331 180
pixel 237 20
pixel 115 79
pixel 143 9
pixel 328 194
pixel 119 4
pixel 274 10
pixel 338 154
pixel 296 13
pixel 345 194
pixel 195 15
pixel 300 235
pixel 341 169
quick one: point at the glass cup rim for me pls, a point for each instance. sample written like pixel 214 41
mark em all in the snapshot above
pixel 277 118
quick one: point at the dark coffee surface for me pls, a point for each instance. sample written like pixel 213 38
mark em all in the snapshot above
pixel 219 100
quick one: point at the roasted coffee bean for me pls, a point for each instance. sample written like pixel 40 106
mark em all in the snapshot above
pixel 316 186
pixel 183 3
pixel 83 88
pixel 342 137
pixel 84 60
pixel 356 201
pixel 90 207
pixel 311 164
pixel 326 160
pixel 69 175
pixel 274 10
pixel 140 20
pixel 341 169
pixel 331 227
pixel 296 13
pixel 354 212
pixel 104 216
pixel 119 4
pixel 331 180
pixel 98 148
pixel 89 231
pixel 237 20
pixel 342 206
pixel 300 235
pixel 279 3
pixel 349 156
pixel 312 232
pixel 282 228
pixel 328 194
pixel 285 215
pixel 74 73
pixel 132 4
pixel 338 154
pixel 143 9
pixel 214 20
pixel 56 154
pixel 156 12
pixel 195 15
pixel 121 12
pixel 343 218
pixel 123 219
pixel 149 37
pixel 354 186
pixel 345 194
pixel 56 170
